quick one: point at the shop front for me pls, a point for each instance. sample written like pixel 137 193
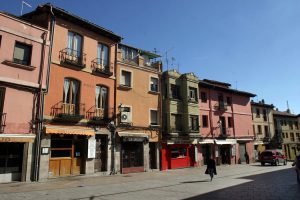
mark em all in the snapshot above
pixel 68 151
pixel 178 156
pixel 14 157
pixel 225 151
pixel 133 152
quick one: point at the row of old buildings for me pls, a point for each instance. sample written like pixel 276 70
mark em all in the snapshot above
pixel 75 100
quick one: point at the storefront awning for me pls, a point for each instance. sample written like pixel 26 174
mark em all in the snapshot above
pixel 69 130
pixel 258 142
pixel 244 139
pixel 227 141
pixel 17 138
pixel 206 141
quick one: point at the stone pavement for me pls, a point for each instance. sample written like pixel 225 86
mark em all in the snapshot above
pixel 247 182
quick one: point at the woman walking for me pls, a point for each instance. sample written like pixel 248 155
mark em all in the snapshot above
pixel 211 168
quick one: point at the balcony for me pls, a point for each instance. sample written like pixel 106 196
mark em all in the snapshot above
pixel 99 68
pixel 67 112
pixel 100 116
pixel 72 57
pixel 221 106
pixel 2 122
pixel 266 139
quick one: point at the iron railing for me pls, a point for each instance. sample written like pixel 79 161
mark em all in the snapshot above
pixel 2 122
pixel 100 115
pixel 221 106
pixel 74 57
pixel 68 111
pixel 98 65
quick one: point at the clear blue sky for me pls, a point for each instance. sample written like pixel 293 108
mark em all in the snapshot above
pixel 252 44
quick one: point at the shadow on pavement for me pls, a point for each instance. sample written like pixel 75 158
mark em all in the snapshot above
pixel 280 184
pixel 196 181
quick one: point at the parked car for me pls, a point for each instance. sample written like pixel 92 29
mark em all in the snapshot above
pixel 274 157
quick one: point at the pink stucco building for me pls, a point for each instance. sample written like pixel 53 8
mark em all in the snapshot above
pixel 225 123
pixel 24 50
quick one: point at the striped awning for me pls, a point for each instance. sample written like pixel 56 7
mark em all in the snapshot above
pixel 69 130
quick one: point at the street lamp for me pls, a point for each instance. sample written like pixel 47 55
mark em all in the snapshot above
pixel 112 129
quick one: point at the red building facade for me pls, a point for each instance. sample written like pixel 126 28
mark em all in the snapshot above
pixel 225 123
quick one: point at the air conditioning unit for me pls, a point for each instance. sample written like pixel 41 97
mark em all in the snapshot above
pixel 126 117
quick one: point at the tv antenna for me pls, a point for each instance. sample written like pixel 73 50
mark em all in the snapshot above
pixel 26 4
pixel 167 59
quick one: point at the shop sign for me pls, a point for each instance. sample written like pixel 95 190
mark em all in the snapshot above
pixel 91 148
pixel 133 139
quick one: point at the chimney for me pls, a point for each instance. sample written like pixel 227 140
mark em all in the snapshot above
pixel 263 101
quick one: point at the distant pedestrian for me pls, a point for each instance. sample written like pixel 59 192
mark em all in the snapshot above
pixel 296 163
pixel 247 157
pixel 211 168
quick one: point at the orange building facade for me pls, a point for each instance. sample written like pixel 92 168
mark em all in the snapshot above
pixel 138 110
pixel 80 101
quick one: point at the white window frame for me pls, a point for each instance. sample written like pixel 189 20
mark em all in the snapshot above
pixel 131 78
pixel 150 77
pixel 157 116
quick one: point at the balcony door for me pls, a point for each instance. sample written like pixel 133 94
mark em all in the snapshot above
pixel 71 96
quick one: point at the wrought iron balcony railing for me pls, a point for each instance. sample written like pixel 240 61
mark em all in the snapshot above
pixel 68 112
pixel 2 122
pixel 73 57
pixel 221 106
pixel 99 116
pixel 98 66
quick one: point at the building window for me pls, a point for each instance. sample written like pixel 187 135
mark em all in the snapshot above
pixel 193 94
pixel 229 102
pixel 194 123
pixel 102 55
pixel 178 152
pixel 267 131
pixel 71 96
pixel 175 91
pixel 128 53
pixel 298 137
pixel 283 135
pixel 175 122
pixel 153 84
pixel 101 101
pixel 125 78
pixel 204 121
pixel 22 53
pixel 0 40
pixel 259 129
pixel 296 125
pixel 286 135
pixel 153 117
pixel 257 113
pixel 230 122
pixel 74 44
pixel 265 115
pixel 292 136
pixel 203 97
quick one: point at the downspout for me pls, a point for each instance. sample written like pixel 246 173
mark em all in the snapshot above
pixel 40 109
pixel 211 123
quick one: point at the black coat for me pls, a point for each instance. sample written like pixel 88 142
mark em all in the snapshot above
pixel 211 164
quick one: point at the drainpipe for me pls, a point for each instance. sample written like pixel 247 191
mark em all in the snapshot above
pixel 40 106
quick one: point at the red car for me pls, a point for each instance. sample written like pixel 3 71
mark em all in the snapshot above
pixel 274 157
